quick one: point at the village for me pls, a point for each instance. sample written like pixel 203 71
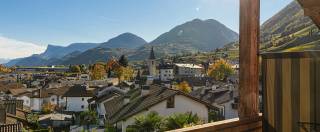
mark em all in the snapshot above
pixel 112 96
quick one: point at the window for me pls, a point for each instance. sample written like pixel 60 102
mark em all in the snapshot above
pixel 170 102
pixel 82 99
pixel 82 106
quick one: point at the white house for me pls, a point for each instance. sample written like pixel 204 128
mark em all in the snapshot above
pixel 166 72
pixel 77 98
pixel 38 98
pixel 121 111
pixel 21 94
pixel 190 70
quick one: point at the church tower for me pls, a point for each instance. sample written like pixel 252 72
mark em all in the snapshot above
pixel 152 64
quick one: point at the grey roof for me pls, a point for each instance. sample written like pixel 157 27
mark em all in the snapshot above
pixel 117 111
pixel 107 93
pixel 78 91
pixel 218 96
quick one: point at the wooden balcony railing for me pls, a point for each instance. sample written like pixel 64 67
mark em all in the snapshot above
pixel 231 125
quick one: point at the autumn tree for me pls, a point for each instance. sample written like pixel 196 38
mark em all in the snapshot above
pixel 124 73
pixel 48 108
pixel 4 69
pixel 220 70
pixel 98 71
pixel 184 87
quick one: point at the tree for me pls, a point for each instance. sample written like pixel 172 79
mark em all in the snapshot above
pixel 177 121
pixel 88 118
pixel 98 71
pixel 33 121
pixel 124 73
pixel 123 61
pixel 4 69
pixel 147 123
pixel 75 69
pixel 184 87
pixel 47 108
pixel 83 68
pixel 220 70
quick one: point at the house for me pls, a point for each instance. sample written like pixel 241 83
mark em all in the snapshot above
pixel 103 96
pixel 121 111
pixel 166 72
pixel 53 96
pixel 57 121
pixel 197 82
pixel 188 70
pixel 77 98
pixel 21 94
pixel 223 96
pixel 12 115
pixel 85 77
pixel 38 98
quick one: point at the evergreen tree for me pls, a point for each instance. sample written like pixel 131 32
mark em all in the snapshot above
pixel 123 61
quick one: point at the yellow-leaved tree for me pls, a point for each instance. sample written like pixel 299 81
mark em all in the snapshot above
pixel 4 69
pixel 220 70
pixel 98 71
pixel 124 73
pixel 184 87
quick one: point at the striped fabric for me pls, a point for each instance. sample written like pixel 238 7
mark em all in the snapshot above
pixel 291 92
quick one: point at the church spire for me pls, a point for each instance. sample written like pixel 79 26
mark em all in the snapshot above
pixel 152 57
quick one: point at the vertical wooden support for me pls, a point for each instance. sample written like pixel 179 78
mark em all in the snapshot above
pixel 249 60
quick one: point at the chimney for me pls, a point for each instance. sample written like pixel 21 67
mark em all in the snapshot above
pixel 126 99
pixel 145 90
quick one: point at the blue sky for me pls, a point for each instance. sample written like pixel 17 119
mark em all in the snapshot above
pixel 62 22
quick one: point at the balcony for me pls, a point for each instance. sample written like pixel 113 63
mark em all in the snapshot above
pixel 231 125
pixel 289 80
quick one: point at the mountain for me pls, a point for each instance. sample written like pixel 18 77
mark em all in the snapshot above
pixel 193 36
pixel 96 54
pixel 52 55
pixel 53 51
pixel 125 40
pixel 199 34
pixel 190 37
pixel 3 61
pixel 289 30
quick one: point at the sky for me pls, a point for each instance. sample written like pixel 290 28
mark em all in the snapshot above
pixel 61 22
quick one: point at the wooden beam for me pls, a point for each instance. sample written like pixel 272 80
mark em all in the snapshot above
pixel 311 9
pixel 249 61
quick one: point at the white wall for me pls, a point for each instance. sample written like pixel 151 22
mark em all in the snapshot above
pixel 26 100
pixel 36 104
pixel 166 74
pixel 186 71
pixel 182 105
pixel 75 103
pixel 229 113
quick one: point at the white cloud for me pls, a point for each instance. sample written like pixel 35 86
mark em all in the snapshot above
pixel 10 48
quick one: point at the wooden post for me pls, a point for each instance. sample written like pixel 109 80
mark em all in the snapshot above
pixel 249 60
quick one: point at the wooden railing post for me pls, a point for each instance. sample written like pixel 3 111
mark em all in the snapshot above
pixel 249 61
